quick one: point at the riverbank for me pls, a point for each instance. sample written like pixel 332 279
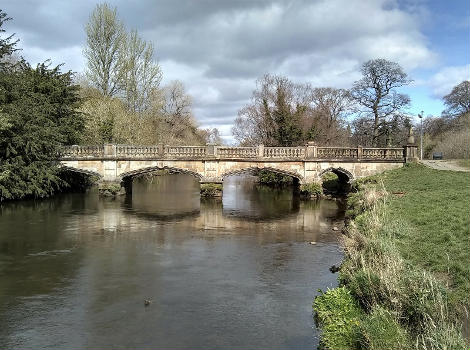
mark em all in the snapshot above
pixel 405 280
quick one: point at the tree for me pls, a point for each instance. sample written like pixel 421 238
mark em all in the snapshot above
pixel 105 38
pixel 376 91
pixel 38 108
pixel 140 74
pixel 458 100
pixel 330 107
pixel 274 116
pixel 7 45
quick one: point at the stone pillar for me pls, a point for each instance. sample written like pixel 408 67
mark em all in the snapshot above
pixel 311 150
pixel 109 150
pixel 359 152
pixel 161 150
pixel 211 150
pixel 411 150
pixel 260 151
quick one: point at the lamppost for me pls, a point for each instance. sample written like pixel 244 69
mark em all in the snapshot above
pixel 421 133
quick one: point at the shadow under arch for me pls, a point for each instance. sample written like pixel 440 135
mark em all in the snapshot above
pixel 78 180
pixel 253 170
pixel 81 171
pixel 129 175
pixel 345 176
pixel 340 186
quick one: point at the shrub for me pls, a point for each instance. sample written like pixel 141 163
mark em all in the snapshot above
pixel 211 190
pixel 330 182
pixel 311 189
pixel 338 313
pixel 110 189
pixel 266 177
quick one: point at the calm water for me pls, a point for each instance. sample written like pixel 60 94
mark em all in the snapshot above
pixel 237 273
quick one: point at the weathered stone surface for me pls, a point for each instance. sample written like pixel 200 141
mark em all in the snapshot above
pixel 214 163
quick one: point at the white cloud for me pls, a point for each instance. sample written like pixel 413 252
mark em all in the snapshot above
pixel 219 48
pixel 443 81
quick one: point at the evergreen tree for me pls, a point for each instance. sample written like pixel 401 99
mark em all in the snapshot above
pixel 37 116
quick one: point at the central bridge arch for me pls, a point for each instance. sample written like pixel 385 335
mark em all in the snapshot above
pixel 344 175
pixel 254 169
pixel 126 176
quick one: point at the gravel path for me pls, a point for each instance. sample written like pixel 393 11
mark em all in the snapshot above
pixel 444 165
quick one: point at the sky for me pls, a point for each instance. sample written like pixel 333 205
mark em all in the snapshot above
pixel 219 48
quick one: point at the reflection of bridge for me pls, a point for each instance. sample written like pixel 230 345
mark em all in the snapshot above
pixel 213 163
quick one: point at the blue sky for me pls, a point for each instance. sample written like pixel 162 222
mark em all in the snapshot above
pixel 219 48
pixel 446 27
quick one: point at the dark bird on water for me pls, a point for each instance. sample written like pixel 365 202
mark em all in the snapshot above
pixel 147 302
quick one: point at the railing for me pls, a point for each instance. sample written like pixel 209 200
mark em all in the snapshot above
pixel 223 152
pixel 382 153
pixel 337 152
pixel 284 152
pixel 185 151
pixel 82 151
pixel 137 151
pixel 237 152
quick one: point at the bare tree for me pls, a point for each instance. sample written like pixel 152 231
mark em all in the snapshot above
pixel 140 73
pixel 330 107
pixel 105 37
pixel 376 91
pixel 458 100
pixel 176 108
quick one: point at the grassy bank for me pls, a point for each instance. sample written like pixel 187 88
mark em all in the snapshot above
pixel 406 278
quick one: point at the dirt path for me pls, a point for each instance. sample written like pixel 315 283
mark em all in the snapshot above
pixel 444 165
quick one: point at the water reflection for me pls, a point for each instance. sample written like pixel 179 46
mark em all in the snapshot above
pixel 237 272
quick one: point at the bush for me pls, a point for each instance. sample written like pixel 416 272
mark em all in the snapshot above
pixel 110 189
pixel 269 178
pixel 211 190
pixel 338 313
pixel 311 189
pixel 330 182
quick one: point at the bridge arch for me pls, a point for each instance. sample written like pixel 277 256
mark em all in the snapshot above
pixel 344 175
pixel 254 169
pixel 81 171
pixel 131 174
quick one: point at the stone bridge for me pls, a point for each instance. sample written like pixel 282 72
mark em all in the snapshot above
pixel 211 163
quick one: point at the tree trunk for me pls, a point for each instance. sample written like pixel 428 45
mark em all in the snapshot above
pixel 375 137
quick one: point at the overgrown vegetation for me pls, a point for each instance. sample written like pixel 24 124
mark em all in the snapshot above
pixel 312 189
pixel 406 258
pixel 330 182
pixel 270 178
pixel 211 190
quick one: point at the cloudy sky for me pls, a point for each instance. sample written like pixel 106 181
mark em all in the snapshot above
pixel 218 48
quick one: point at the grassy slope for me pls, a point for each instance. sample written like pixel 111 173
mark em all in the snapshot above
pixel 437 205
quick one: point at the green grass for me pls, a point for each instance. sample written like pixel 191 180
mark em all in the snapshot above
pixel 436 205
pixel 338 313
pixel 406 261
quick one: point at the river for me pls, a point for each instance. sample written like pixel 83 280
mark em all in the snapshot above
pixel 239 272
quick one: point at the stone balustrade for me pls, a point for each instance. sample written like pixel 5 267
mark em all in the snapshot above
pixel 310 151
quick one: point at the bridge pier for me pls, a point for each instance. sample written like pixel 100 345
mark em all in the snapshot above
pixel 211 188
pixel 110 188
